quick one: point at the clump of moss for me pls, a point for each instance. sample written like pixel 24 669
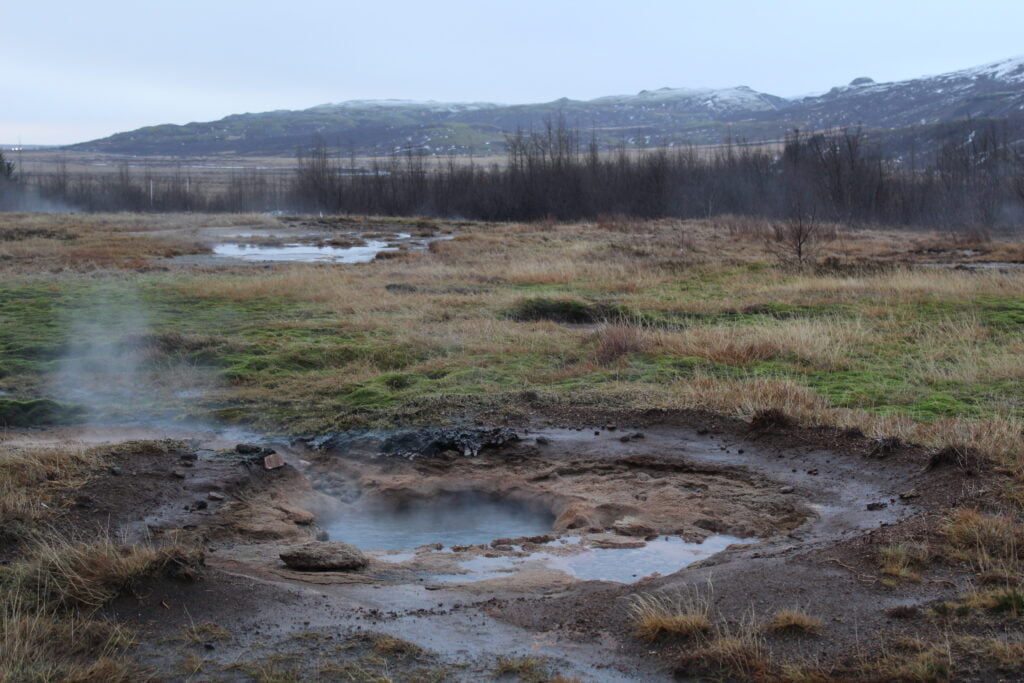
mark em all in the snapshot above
pixel 38 412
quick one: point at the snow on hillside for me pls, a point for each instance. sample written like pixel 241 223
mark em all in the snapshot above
pixel 428 105
pixel 723 99
pixel 1011 70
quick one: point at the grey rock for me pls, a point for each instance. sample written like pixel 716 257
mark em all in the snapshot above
pixel 325 556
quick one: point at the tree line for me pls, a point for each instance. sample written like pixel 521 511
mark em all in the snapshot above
pixel 974 180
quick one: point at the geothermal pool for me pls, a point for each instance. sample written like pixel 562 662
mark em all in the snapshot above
pixel 471 519
pixel 455 519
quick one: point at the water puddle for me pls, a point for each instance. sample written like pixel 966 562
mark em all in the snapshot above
pixel 303 252
pixel 456 519
pixel 664 555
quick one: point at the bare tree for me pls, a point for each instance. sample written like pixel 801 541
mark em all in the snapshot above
pixel 796 241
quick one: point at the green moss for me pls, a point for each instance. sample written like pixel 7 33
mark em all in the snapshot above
pixel 38 412
pixel 557 310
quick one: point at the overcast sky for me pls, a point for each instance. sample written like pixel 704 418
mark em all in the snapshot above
pixel 74 70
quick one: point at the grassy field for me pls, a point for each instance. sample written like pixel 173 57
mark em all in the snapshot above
pixel 639 315
pixel 512 320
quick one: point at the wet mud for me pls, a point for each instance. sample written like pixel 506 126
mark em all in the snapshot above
pixel 768 518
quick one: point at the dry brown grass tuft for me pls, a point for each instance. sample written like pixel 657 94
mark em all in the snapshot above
pixel 204 632
pixel 41 646
pixel 529 669
pixel 902 560
pixel 741 656
pixel 910 660
pixel 617 341
pixel 29 477
pixel 793 621
pixel 655 616
pixel 990 543
pixel 59 572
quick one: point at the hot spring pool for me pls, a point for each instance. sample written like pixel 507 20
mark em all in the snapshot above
pixel 457 519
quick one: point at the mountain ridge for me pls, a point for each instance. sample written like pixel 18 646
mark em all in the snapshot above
pixel 661 117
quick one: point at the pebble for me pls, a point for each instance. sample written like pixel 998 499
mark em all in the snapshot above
pixel 787 489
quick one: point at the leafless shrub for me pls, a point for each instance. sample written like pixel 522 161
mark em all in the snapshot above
pixel 797 241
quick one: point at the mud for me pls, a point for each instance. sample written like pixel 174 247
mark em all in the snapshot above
pixel 792 513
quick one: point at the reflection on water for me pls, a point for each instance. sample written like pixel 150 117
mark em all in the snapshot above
pixel 303 252
pixel 457 519
pixel 664 555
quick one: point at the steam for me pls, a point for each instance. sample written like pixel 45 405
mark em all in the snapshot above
pixel 15 196
pixel 118 370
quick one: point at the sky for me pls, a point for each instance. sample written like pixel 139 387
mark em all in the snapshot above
pixel 74 71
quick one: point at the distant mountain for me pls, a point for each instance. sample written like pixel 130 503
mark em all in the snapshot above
pixel 668 116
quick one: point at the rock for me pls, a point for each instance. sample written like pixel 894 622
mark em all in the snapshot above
pixel 542 441
pixel 188 457
pixel 177 474
pixel 877 506
pixel 115 471
pixel 618 545
pixel 632 526
pixel 325 557
pixel 273 461
pixel 909 495
pixel 247 449
pixel 787 489
pixel 643 476
pixel 637 435
pixel 296 514
pixel 213 495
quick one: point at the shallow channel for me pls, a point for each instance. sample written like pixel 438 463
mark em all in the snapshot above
pixel 303 252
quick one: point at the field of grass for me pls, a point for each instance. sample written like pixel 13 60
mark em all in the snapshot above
pixel 660 314
pixel 513 320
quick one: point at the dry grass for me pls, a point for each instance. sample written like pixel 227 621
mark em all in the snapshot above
pixel 656 616
pixel 43 646
pixel 910 659
pixel 530 669
pixel 59 572
pixel 735 653
pixel 616 341
pixel 903 560
pixel 31 477
pixel 793 621
pixel 989 543
pixel 30 243
pixel 204 632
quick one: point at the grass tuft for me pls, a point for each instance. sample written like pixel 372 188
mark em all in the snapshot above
pixel 656 616
pixel 793 621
